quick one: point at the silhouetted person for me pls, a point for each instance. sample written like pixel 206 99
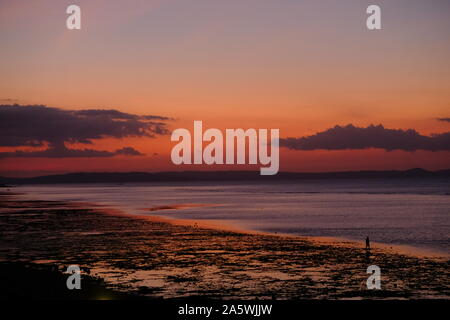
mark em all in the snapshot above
pixel 367 243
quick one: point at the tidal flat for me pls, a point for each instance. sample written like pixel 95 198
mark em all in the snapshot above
pixel 152 258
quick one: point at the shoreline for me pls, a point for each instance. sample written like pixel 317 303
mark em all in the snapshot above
pixel 153 258
pixel 227 226
pixel 223 225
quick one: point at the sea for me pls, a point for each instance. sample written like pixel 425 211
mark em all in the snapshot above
pixel 411 212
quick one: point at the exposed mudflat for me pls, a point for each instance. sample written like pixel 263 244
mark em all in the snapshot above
pixel 157 259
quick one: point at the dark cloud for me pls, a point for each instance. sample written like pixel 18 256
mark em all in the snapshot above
pixel 118 115
pixel 39 125
pixel 8 100
pixel 128 151
pixel 63 152
pixel 351 137
pixel 444 119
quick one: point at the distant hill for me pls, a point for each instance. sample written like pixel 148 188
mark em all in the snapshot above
pixel 192 176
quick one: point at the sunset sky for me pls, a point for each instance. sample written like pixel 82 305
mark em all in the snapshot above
pixel 300 66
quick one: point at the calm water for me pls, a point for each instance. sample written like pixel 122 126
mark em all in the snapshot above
pixel 406 212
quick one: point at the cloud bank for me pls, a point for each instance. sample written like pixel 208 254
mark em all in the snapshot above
pixel 39 125
pixel 351 137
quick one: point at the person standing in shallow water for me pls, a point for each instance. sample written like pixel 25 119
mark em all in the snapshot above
pixel 367 243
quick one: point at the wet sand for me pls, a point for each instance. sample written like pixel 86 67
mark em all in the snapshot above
pixel 153 258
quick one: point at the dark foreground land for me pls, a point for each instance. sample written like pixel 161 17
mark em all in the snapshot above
pixel 124 257
pixel 21 280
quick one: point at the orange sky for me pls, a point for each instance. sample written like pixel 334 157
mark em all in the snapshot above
pixel 300 66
